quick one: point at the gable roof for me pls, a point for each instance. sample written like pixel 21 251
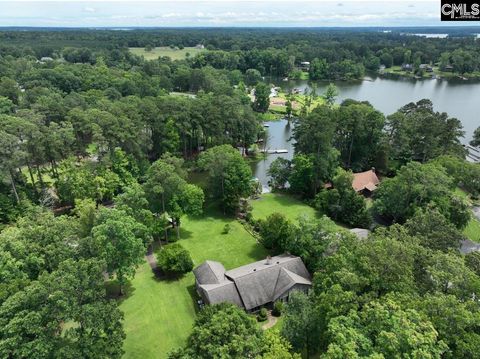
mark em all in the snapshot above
pixel 223 292
pixel 254 284
pixel 365 180
pixel 210 272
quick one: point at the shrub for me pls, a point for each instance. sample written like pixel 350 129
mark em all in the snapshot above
pixel 262 315
pixel 277 309
pixel 174 259
pixel 226 229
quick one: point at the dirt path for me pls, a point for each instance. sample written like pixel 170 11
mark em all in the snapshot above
pixel 271 321
pixel 150 257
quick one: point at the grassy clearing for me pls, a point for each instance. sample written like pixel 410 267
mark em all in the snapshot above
pixel 159 313
pixel 174 54
pixel 472 230
pixel 291 207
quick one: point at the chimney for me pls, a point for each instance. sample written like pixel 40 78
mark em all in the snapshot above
pixel 373 169
pixel 269 260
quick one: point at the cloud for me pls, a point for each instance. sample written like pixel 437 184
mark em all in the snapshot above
pixel 89 9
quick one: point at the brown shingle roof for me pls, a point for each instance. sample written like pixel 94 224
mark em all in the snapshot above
pixel 365 180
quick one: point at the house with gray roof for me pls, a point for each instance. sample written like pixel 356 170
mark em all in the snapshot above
pixel 254 285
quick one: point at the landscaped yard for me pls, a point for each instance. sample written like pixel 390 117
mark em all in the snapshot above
pixel 159 314
pixel 291 207
pixel 174 54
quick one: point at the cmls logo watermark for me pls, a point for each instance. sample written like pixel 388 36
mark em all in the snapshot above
pixel 467 10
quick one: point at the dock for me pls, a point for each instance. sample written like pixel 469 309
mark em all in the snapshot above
pixel 271 152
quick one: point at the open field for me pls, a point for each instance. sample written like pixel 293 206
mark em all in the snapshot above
pixel 159 313
pixel 291 207
pixel 174 54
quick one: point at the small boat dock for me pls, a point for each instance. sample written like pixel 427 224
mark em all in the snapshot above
pixel 276 151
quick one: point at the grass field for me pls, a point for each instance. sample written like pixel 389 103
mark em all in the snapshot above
pixel 174 54
pixel 472 230
pixel 159 314
pixel 291 207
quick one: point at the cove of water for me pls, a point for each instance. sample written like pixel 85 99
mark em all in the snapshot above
pixel 460 99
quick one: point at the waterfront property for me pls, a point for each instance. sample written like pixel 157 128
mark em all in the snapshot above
pixel 254 285
pixel 365 182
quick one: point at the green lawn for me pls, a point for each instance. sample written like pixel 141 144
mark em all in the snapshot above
pixel 472 230
pixel 291 207
pixel 174 54
pixel 159 313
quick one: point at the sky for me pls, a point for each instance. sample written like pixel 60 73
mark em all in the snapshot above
pixel 224 13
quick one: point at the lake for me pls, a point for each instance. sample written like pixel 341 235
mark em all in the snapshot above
pixel 459 99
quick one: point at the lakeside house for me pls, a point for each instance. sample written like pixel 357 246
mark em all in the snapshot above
pixel 426 67
pixel 365 182
pixel 407 67
pixel 254 285
pixel 304 66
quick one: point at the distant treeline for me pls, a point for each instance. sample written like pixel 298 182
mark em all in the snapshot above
pixel 346 53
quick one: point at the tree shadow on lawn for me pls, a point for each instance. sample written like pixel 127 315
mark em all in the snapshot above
pixel 185 233
pixel 112 288
pixel 195 297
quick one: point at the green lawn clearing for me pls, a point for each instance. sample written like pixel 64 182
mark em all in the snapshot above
pixel 291 207
pixel 472 230
pixel 174 54
pixel 159 313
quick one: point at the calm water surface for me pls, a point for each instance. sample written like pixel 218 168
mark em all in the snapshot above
pixel 460 99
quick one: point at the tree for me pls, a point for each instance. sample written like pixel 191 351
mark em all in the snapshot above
pixel 448 274
pixel 314 135
pixel 6 105
pixel 33 320
pixel 174 259
pixel 9 89
pixel 168 191
pixel 434 230
pixel 222 331
pixel 383 330
pixel 465 174
pixel 418 186
pixel 276 231
pixel 188 201
pixel 121 242
pixel 454 320
pixel 277 347
pixel 476 138
pixel 319 69
pixel 262 98
pixel 229 175
pixel 301 177
pixel 416 132
pixel 359 135
pixel 343 203
pixel 252 77
pixel 330 94
pixel 301 323
pixel 279 172
pixel 386 59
